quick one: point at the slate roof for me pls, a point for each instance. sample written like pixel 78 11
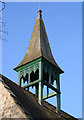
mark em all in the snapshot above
pixel 29 103
pixel 38 46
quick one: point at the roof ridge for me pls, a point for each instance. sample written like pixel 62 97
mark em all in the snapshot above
pixel 40 38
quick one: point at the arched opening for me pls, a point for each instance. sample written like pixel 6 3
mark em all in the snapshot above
pixel 21 80
pixel 37 74
pixel 52 80
pixel 24 80
pixel 45 76
pixel 26 77
pixel 32 77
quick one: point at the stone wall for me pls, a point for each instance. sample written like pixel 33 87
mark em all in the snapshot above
pixel 8 108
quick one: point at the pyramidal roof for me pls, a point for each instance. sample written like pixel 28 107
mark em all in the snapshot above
pixel 39 45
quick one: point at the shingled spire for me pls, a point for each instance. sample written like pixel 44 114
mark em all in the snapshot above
pixel 38 67
pixel 39 15
pixel 39 45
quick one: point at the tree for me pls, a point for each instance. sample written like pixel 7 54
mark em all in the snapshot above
pixel 1 22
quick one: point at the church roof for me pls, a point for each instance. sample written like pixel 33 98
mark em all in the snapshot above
pixel 39 45
pixel 26 102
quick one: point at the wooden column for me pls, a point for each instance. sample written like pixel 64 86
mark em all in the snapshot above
pixel 50 78
pixel 28 80
pixel 47 91
pixel 36 90
pixel 49 83
pixel 19 80
pixel 29 77
pixel 40 93
pixel 58 95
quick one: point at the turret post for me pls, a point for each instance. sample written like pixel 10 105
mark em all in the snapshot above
pixel 40 93
pixel 19 80
pixel 58 95
pixel 36 90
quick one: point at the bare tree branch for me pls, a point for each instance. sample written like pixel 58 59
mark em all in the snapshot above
pixel 2 23
pixel 3 5
pixel 4 31
pixel 5 39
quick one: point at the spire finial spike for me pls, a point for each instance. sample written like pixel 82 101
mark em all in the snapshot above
pixel 39 15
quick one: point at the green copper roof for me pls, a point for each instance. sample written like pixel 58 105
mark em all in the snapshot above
pixel 39 45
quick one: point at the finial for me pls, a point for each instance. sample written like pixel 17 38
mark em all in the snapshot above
pixel 39 15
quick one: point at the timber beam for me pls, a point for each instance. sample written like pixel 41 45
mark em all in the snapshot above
pixel 49 95
pixel 31 84
pixel 50 86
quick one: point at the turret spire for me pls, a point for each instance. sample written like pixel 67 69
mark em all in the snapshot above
pixel 39 15
pixel 38 67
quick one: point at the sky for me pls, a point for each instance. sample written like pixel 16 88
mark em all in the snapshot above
pixel 63 23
